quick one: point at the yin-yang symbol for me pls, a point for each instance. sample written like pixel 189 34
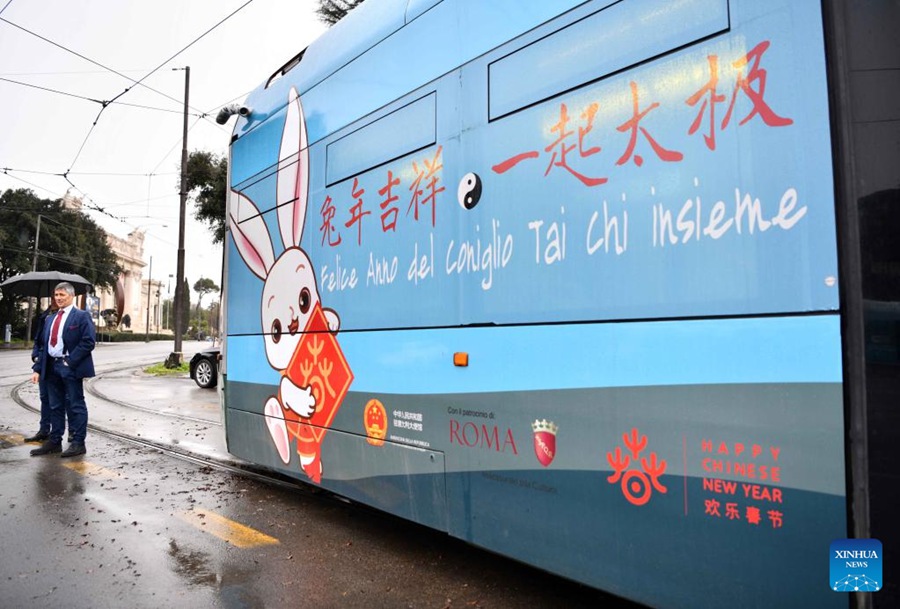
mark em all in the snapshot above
pixel 469 192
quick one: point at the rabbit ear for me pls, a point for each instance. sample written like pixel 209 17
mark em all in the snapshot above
pixel 250 235
pixel 293 173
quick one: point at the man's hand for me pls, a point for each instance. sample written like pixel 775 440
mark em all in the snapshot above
pixel 35 377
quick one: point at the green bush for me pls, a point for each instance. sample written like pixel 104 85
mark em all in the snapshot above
pixel 130 337
pixel 161 370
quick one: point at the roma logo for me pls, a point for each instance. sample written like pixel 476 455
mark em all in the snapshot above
pixel 544 441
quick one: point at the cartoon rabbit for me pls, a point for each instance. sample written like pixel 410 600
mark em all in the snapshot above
pixel 289 293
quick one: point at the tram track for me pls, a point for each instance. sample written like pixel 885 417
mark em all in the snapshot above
pixel 233 466
pixel 100 370
pixel 94 391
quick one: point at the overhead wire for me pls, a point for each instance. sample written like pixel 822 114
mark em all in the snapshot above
pixel 105 103
pixel 85 58
pixel 58 92
pixel 91 205
pixel 177 142
pixel 14 177
pixel 46 173
pixel 87 173
pixel 75 260
pixel 6 171
pixel 66 73
pixel 124 221
pixel 97 101
pixel 83 144
pixel 118 73
pixel 189 45
pixel 86 200
pixel 48 217
pixel 203 115
pixel 144 200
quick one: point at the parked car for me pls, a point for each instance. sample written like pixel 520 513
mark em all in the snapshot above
pixel 205 367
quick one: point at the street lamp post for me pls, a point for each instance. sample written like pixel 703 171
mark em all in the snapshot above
pixel 167 308
pixel 176 357
pixel 149 283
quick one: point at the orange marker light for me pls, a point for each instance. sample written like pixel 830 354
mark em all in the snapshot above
pixel 460 358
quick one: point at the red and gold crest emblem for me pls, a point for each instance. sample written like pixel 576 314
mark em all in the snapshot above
pixel 375 420
pixel 544 441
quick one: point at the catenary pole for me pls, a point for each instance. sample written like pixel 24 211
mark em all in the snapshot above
pixel 37 238
pixel 176 358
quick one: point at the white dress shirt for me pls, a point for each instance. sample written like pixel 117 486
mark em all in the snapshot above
pixel 57 351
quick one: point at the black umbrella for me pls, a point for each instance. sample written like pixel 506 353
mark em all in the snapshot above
pixel 42 283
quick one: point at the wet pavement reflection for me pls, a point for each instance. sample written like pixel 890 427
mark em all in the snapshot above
pixel 130 526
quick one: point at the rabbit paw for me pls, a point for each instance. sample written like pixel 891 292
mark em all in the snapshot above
pixel 277 428
pixel 298 399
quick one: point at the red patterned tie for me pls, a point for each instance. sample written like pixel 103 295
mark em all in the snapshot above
pixel 54 333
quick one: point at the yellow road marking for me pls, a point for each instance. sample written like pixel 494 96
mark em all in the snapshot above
pixel 206 520
pixel 89 469
pixel 15 439
pixel 228 530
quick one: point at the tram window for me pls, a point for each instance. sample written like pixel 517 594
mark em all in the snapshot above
pixel 622 35
pixel 390 137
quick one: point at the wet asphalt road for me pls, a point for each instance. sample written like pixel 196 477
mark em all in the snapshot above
pixel 132 526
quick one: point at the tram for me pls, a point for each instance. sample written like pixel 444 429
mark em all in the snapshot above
pixel 602 286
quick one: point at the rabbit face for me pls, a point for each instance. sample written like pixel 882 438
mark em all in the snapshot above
pixel 289 296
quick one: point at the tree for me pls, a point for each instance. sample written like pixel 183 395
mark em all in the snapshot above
pixel 69 241
pixel 332 11
pixel 185 306
pixel 207 181
pixel 203 287
pixel 212 317
pixel 167 312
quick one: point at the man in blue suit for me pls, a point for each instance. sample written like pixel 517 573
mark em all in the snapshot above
pixel 40 342
pixel 64 362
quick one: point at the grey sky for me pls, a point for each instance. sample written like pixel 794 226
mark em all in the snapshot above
pixel 127 163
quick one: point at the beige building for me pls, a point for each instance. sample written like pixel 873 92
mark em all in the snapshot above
pixel 135 293
pixel 130 296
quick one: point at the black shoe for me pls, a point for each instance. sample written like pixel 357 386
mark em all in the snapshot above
pixel 46 448
pixel 73 450
pixel 38 437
